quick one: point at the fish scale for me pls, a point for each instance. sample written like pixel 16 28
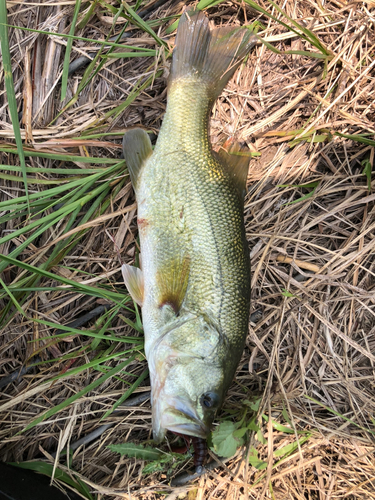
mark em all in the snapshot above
pixel 194 286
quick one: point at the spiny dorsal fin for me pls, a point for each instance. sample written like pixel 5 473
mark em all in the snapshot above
pixel 210 55
pixel 236 160
pixel 173 282
pixel 133 278
pixel 137 148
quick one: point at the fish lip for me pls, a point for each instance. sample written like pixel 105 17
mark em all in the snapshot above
pixel 177 414
pixel 182 418
pixel 190 429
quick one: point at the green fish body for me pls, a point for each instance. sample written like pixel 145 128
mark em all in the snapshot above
pixel 194 286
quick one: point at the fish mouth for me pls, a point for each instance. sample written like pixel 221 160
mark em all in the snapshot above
pixel 180 417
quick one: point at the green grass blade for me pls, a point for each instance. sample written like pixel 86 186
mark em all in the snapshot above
pixel 87 333
pixel 12 298
pixel 92 364
pixel 334 412
pixel 203 4
pixel 89 14
pixel 131 97
pixel 44 170
pixel 88 290
pixel 124 55
pixel 68 50
pixel 78 395
pixel 127 393
pixel 34 180
pixel 9 86
pixel 58 474
pixel 357 138
pixel 298 29
pixel 60 157
pixel 138 21
pixel 80 38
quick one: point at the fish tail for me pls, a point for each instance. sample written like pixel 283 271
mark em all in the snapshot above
pixel 210 56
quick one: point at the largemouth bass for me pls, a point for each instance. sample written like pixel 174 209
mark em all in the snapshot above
pixel 194 285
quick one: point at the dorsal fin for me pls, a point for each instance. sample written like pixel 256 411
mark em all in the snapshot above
pixel 137 149
pixel 236 160
pixel 173 282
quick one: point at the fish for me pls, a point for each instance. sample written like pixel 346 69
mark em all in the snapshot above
pixel 193 285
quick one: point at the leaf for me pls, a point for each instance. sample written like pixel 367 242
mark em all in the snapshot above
pixel 136 451
pixel 73 37
pixel 309 137
pixel 167 461
pixel 260 437
pixel 118 55
pixel 224 442
pixel 152 467
pixel 239 433
pixel 280 427
pixel 254 405
pixel 12 298
pixel 255 461
pixel 252 425
pixel 286 417
pixel 290 448
pixel 367 171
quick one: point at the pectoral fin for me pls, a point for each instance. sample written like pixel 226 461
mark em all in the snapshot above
pixel 137 149
pixel 133 278
pixel 173 281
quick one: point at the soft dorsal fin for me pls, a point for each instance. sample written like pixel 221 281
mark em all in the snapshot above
pixel 173 282
pixel 236 160
pixel 137 148
pixel 133 278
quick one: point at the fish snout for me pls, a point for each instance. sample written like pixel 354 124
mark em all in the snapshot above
pixel 177 415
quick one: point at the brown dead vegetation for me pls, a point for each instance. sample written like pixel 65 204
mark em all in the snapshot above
pixel 312 353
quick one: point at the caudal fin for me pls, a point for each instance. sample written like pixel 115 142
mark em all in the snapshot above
pixel 209 55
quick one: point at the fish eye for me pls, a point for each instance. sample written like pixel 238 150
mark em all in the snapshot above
pixel 209 399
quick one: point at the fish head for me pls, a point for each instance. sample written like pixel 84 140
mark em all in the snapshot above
pixel 187 368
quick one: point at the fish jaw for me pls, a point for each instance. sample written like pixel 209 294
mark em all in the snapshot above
pixel 177 415
pixel 171 412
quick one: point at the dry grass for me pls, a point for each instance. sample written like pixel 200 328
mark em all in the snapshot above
pixel 311 356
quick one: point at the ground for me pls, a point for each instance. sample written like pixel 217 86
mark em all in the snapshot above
pixel 303 102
